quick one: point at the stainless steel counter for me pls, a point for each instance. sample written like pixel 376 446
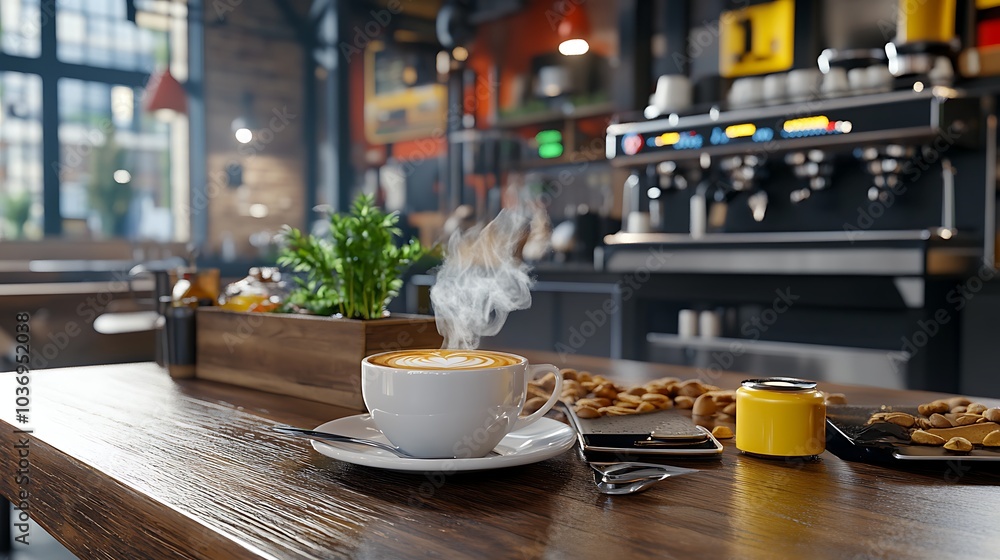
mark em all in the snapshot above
pixel 876 253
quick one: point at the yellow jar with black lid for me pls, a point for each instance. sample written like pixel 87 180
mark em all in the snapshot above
pixel 780 417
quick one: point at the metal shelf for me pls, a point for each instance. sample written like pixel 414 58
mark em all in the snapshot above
pixel 839 364
pixel 570 159
pixel 553 115
pixel 837 253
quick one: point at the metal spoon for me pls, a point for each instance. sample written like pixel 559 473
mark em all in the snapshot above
pixel 628 487
pixel 628 471
pixel 313 434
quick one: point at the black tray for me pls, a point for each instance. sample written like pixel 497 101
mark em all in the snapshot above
pixel 850 439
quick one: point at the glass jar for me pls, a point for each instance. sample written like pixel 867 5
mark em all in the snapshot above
pixel 780 417
pixel 196 288
pixel 262 290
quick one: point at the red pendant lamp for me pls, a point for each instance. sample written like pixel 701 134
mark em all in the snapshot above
pixel 573 29
pixel 165 92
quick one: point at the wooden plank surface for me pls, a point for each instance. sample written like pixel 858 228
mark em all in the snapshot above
pixel 128 463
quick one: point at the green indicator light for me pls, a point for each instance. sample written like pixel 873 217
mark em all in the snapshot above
pixel 548 137
pixel 549 151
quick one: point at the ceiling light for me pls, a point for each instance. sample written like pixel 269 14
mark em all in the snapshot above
pixel 244 135
pixel 574 47
pixel 122 176
pixel 243 126
pixel 258 210
pixel 574 27
pixel 165 95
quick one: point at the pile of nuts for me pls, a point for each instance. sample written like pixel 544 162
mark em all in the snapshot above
pixel 957 424
pixel 594 396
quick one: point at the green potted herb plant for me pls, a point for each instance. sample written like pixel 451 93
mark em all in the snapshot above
pixel 357 271
pixel 334 316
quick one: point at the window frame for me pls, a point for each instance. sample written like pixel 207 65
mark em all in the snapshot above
pixel 50 69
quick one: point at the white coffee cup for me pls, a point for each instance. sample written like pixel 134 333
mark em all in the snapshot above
pixel 450 403
pixel 857 78
pixel 673 93
pixel 754 90
pixel 775 86
pixel 736 93
pixel 803 83
pixel 746 92
pixel 836 83
pixel 879 78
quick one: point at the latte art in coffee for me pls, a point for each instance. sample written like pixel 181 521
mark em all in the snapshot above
pixel 444 359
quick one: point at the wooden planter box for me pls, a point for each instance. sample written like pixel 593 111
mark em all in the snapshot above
pixel 315 358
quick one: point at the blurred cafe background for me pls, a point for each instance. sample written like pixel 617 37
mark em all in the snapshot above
pixel 803 188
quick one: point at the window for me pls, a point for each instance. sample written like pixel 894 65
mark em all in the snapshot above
pixel 20 27
pixel 114 171
pixel 20 155
pixel 72 95
pixel 97 33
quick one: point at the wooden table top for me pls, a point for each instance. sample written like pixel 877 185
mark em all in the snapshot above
pixel 127 463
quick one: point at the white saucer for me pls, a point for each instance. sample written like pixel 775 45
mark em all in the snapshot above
pixel 542 440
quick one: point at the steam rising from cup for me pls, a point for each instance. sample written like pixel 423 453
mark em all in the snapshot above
pixel 481 281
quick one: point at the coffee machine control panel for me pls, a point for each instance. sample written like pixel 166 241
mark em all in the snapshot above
pixel 864 120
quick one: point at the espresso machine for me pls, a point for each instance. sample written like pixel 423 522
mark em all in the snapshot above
pixel 865 200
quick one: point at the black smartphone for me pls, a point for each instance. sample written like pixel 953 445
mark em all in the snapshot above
pixel 665 432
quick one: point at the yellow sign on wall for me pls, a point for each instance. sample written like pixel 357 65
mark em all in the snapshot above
pixel 403 98
pixel 758 39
